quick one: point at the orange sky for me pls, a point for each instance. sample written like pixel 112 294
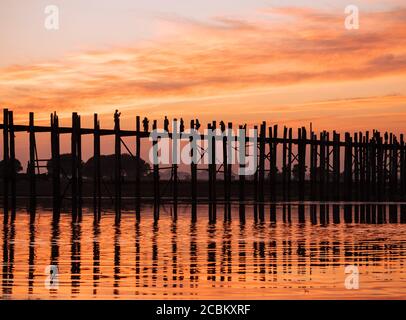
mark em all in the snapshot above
pixel 286 65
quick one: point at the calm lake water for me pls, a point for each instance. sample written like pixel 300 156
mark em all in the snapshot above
pixel 298 252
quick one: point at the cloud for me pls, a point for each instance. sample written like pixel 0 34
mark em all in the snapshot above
pixel 226 56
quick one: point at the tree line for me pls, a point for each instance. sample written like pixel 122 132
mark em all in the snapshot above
pixel 107 163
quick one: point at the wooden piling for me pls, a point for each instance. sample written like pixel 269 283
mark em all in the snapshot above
pixel 394 168
pixel 193 172
pixel 138 172
pixel 313 166
pixel 56 165
pixel 6 154
pixel 229 167
pixel 290 154
pixel 226 186
pixel 380 165
pixel 74 178
pixel 31 165
pixel 261 170
pixel 302 161
pixel 175 181
pixel 356 166
pixel 273 170
pixel 96 169
pixel 255 184
pixel 13 172
pixel 361 167
pixel 176 133
pixel 373 184
pixel 79 167
pixel 117 165
pixel 210 171
pixel 348 166
pixel 156 179
pixel 336 165
pixel 402 165
pixel 284 163
pixel 241 178
pixel 214 172
pixel 322 167
pixel 328 166
pixel 272 191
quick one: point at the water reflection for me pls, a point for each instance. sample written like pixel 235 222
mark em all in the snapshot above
pixel 298 251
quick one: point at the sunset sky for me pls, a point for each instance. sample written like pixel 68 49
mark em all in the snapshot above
pixel 289 62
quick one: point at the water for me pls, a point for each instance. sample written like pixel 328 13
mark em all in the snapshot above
pixel 301 254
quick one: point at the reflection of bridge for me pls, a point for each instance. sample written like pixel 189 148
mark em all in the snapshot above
pixel 304 244
pixel 362 167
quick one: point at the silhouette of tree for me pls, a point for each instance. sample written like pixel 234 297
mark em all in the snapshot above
pixel 296 172
pixel 66 164
pixel 107 163
pixel 274 171
pixel 17 166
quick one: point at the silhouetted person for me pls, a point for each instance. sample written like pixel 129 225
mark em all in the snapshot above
pixel 145 124
pixel 166 124
pixel 182 125
pixel 197 125
pixel 116 115
pixel 222 126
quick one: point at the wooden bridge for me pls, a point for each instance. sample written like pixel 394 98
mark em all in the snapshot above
pixel 363 167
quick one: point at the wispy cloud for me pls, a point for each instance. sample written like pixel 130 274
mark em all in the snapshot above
pixel 193 60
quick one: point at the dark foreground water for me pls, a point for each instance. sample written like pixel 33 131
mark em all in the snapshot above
pixel 298 252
